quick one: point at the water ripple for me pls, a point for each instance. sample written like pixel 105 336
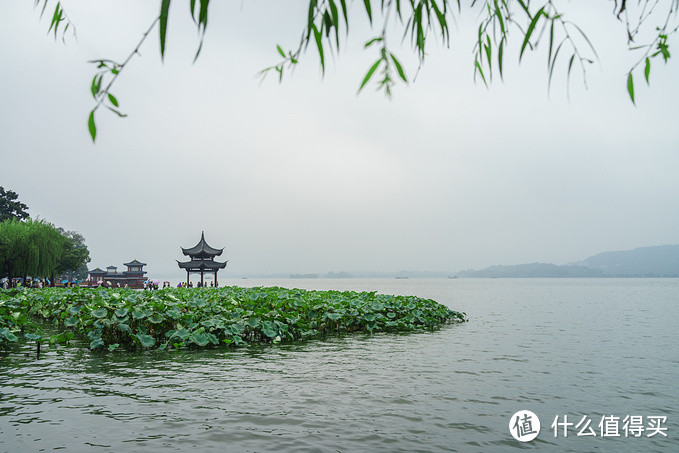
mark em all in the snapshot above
pixel 553 347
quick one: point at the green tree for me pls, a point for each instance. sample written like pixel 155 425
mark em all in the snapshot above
pixel 504 27
pixel 74 257
pixel 37 248
pixel 12 247
pixel 11 207
pixel 41 249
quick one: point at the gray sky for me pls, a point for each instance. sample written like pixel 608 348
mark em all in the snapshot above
pixel 308 177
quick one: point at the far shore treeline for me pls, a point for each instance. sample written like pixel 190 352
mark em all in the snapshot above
pixel 35 247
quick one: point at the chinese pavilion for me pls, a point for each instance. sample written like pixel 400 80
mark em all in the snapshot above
pixel 202 260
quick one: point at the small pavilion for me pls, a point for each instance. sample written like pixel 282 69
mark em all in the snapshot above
pixel 202 260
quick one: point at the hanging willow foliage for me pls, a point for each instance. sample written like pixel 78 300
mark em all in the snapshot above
pixel 525 24
pixel 32 247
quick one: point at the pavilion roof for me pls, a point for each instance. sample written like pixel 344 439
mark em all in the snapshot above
pixel 97 271
pixel 134 263
pixel 202 249
pixel 208 265
pixel 133 273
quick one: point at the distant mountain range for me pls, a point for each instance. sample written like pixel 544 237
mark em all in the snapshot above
pixel 533 270
pixel 660 261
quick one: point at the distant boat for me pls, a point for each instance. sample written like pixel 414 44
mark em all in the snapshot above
pixel 244 278
pixel 400 278
pixel 452 276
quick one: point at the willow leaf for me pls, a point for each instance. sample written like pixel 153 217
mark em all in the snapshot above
pixel 630 87
pixel 91 126
pixel 530 30
pixel 369 74
pixel 164 13
pixel 647 70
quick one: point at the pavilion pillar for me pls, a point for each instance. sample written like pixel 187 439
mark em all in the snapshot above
pixel 201 278
pixel 215 279
pixel 187 278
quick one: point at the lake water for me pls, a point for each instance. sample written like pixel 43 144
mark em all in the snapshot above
pixel 576 347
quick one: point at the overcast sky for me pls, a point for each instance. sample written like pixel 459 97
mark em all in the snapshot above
pixel 308 177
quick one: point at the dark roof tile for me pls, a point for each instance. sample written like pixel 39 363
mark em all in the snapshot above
pixel 202 249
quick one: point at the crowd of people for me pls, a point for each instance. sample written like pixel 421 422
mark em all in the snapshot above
pixel 27 283
pixel 198 285
pixel 149 285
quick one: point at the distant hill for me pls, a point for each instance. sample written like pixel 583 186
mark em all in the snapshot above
pixel 660 261
pixel 533 270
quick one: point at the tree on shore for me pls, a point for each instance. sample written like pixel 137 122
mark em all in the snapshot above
pixel 11 207
pixel 74 257
pixel 39 249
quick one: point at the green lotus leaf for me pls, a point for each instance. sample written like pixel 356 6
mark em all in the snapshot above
pixel 156 318
pixel 32 337
pixel 213 338
pixel 182 333
pixel 146 340
pixel 207 316
pixel 99 313
pixel 198 303
pixel 376 306
pixel 96 343
pixel 201 339
pixel 7 335
pixel 94 334
pixel 113 347
pixel 271 333
pixel 173 313
pixel 138 314
pixel 210 323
